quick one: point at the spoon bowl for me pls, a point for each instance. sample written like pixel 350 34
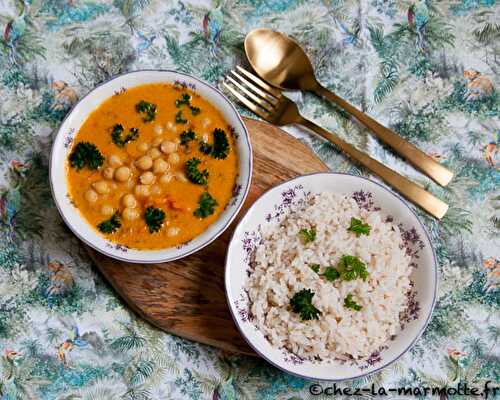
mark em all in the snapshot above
pixel 279 60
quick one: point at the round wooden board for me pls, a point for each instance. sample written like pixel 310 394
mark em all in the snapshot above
pixel 186 297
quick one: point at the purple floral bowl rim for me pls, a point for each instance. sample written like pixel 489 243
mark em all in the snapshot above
pixel 434 289
pixel 236 207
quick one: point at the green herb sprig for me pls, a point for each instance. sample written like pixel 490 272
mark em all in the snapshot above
pixel 348 269
pixel 350 303
pixel 206 206
pixel 119 139
pixel 359 228
pixel 331 274
pixel 187 136
pixel 147 109
pixel 220 147
pixel 351 267
pixel 194 174
pixel 154 218
pixel 308 235
pixel 301 303
pixel 85 154
pixel 185 100
pixel 110 225
pixel 195 110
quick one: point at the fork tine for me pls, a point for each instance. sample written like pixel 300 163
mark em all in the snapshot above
pixel 256 109
pixel 267 96
pixel 275 92
pixel 261 102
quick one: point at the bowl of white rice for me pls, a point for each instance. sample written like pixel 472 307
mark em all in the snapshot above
pixel 331 276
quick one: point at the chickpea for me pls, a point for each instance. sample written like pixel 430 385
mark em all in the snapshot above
pixel 157 141
pixel 181 176
pixel 158 129
pixel 160 166
pixel 170 126
pixel 129 201
pixel 177 141
pixel 115 161
pixel 91 196
pixel 155 190
pixel 108 172
pixel 107 210
pixel 166 178
pixel 168 147
pixel 144 163
pixel 143 147
pixel 173 158
pixel 101 187
pixel 142 190
pixel 154 153
pixel 130 214
pixel 173 231
pixel 147 178
pixel 122 174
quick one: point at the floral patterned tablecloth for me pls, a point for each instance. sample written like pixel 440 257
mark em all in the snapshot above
pixel 428 68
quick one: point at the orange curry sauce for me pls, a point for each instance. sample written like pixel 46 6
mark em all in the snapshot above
pixel 178 197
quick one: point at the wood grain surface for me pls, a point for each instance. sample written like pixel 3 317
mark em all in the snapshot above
pixel 186 297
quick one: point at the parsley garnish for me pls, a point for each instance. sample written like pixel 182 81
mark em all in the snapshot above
pixel 85 153
pixel 206 205
pixel 350 303
pixel 194 174
pixel 331 274
pixel 315 267
pixel 301 303
pixel 358 227
pixel 187 136
pixel 351 267
pixel 308 235
pixel 205 147
pixel 116 135
pixel 148 109
pixel 220 148
pixel 110 225
pixel 195 110
pixel 179 119
pixel 183 100
pixel 154 218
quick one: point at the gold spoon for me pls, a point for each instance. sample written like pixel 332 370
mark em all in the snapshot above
pixel 281 61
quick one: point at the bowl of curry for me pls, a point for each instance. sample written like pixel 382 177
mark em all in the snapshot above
pixel 151 166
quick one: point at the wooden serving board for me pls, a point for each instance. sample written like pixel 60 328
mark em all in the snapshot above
pixel 186 297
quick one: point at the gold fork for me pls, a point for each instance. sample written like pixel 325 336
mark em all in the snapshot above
pixel 269 104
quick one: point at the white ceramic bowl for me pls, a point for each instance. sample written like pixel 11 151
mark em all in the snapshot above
pixel 276 203
pixel 70 126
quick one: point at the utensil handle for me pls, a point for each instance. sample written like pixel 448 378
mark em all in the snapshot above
pixel 415 156
pixel 407 188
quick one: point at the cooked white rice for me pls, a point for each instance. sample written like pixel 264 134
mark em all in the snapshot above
pixel 282 268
